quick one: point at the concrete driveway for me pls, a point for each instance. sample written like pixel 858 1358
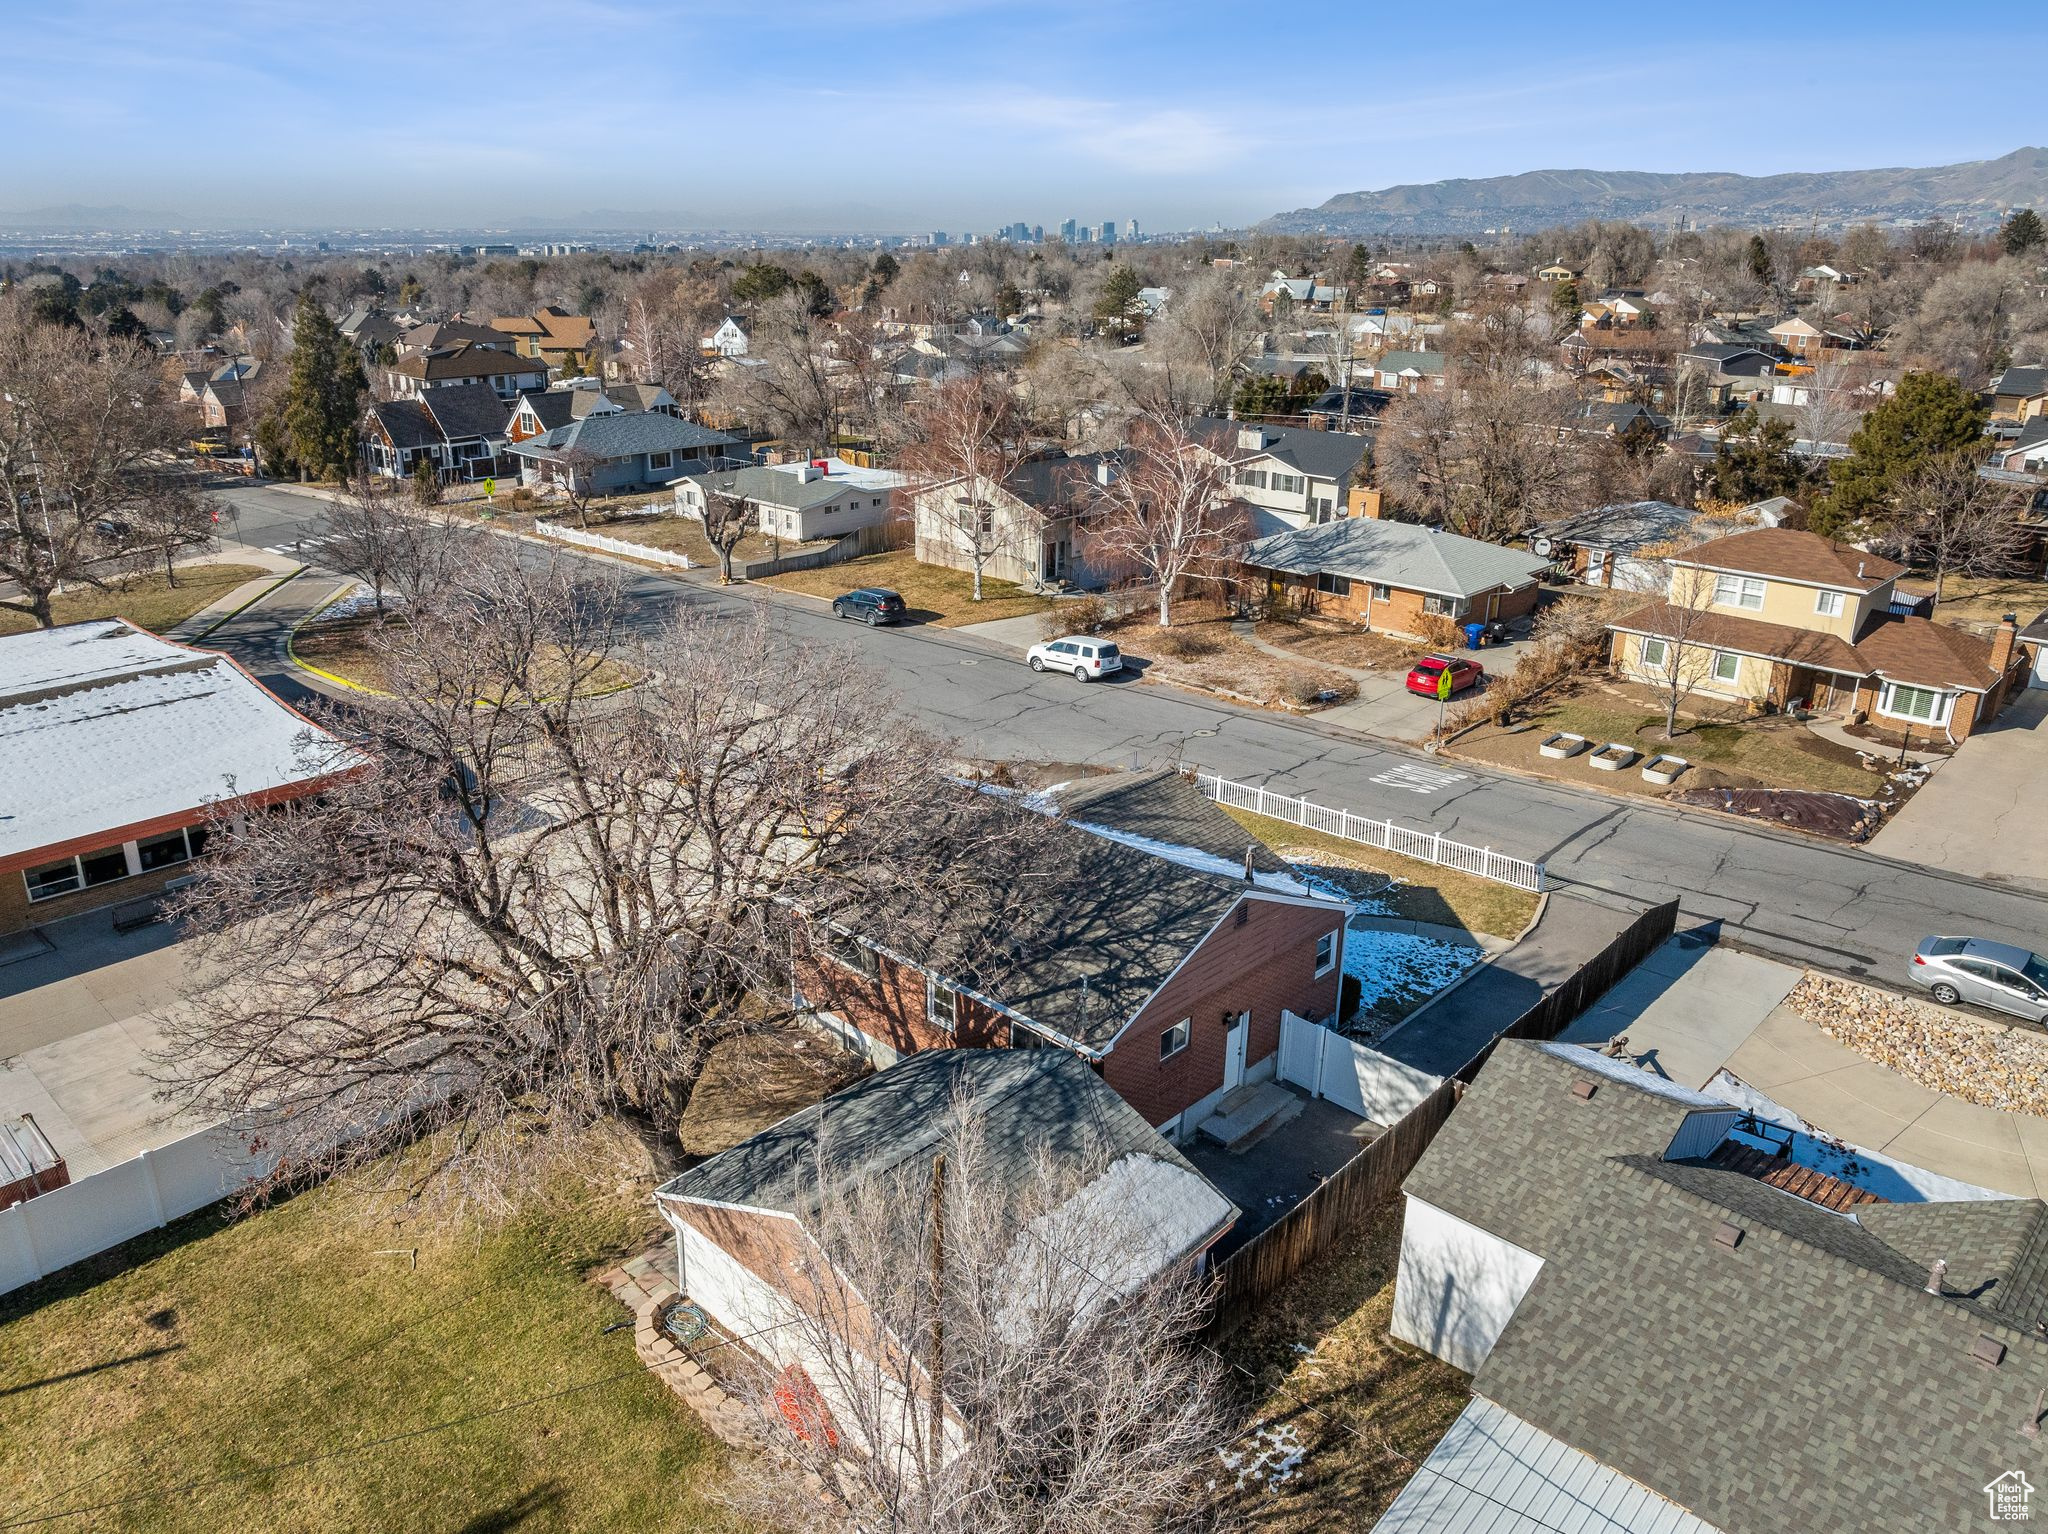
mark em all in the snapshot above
pixel 1978 814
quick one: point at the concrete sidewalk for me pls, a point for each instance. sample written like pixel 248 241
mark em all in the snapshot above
pixel 1978 814
pixel 210 617
pixel 1687 1008
pixel 1449 1033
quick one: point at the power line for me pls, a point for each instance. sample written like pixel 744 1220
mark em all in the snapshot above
pixel 302 1461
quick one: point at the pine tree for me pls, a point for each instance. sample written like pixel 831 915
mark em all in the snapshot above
pixel 1119 298
pixel 2023 232
pixel 1759 259
pixel 323 401
pixel 1931 416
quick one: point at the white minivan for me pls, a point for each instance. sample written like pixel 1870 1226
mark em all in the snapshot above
pixel 1087 659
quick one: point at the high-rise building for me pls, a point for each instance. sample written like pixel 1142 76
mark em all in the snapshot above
pixel 939 237
pixel 1108 234
pixel 1131 229
pixel 1067 230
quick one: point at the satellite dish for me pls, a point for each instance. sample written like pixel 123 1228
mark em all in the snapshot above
pixel 1541 546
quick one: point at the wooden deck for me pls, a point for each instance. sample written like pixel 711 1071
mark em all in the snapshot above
pixel 1800 1181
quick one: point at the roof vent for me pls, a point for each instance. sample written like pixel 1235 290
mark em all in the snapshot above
pixel 1728 1235
pixel 1249 848
pixel 1936 1274
pixel 1988 1350
pixel 1584 1090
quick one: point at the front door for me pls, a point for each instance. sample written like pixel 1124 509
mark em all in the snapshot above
pixel 1235 1043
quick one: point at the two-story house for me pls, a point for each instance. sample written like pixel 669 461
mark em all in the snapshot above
pixel 553 336
pixel 460 429
pixel 508 376
pixel 728 340
pixel 1290 477
pixel 622 452
pixel 1778 616
pixel 2019 394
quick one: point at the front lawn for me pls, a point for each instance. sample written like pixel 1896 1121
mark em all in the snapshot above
pixel 933 593
pixel 337 643
pixel 144 599
pixel 1204 650
pixel 1772 752
pixel 1338 1414
pixel 164 1381
pixel 678 535
pixel 1424 892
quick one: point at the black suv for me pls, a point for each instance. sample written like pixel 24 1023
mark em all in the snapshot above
pixel 871 604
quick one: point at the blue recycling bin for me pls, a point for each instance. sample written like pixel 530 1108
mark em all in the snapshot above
pixel 1473 633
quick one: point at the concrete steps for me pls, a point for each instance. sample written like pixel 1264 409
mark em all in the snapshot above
pixel 1249 1111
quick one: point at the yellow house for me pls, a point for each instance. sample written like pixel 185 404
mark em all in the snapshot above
pixel 1778 616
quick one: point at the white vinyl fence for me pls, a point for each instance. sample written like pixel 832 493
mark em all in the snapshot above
pixel 619 546
pixel 1348 1073
pixel 1428 846
pixel 52 1230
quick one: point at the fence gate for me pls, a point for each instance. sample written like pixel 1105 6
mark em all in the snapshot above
pixel 1354 1076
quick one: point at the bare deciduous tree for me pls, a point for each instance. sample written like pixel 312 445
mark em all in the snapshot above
pixel 727 521
pixel 172 519
pixel 524 907
pixel 1488 457
pixel 968 442
pixel 1676 659
pixel 391 546
pixel 976 1361
pixel 1953 520
pixel 1169 516
pixel 1209 328
pixel 86 430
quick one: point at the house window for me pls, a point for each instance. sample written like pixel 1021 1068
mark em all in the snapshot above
pixel 163 851
pixel 1654 652
pixel 1448 607
pixel 1382 593
pixel 1326 953
pixel 941 1005
pixel 83 872
pixel 1744 591
pixel 851 953
pixel 1174 1040
pixel 1828 604
pixel 1256 478
pixel 660 462
pixel 1333 585
pixel 1727 666
pixel 1923 705
pixel 1324 508
pixel 53 879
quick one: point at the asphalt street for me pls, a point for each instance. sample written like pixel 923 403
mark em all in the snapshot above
pixel 1835 907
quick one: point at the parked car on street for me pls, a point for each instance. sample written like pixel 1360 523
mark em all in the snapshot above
pixel 871 604
pixel 1087 659
pixel 1990 974
pixel 1464 674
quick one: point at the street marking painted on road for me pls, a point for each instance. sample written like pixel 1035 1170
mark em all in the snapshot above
pixel 1420 780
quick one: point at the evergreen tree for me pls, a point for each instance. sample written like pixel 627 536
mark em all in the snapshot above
pixel 1930 416
pixel 885 268
pixel 1119 298
pixel 1358 270
pixel 323 401
pixel 1754 460
pixel 1759 260
pixel 1564 301
pixel 2023 232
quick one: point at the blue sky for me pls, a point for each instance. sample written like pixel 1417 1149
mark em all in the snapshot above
pixel 954 114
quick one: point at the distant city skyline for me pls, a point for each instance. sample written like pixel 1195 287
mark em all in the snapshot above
pixel 904 115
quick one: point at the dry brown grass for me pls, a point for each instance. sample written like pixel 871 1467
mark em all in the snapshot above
pixel 1316 1363
pixel 145 599
pixel 933 593
pixel 342 648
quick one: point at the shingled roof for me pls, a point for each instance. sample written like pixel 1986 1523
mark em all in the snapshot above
pixel 1801 1378
pixel 1790 555
pixel 1397 554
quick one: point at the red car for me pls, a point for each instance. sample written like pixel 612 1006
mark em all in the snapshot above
pixel 1464 674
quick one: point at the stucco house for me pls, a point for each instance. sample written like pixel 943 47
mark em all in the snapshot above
pixel 1168 977
pixel 1033 526
pixel 1287 476
pixel 820 498
pixel 1391 576
pixel 1681 1318
pixel 757 1243
pixel 1775 616
pixel 120 752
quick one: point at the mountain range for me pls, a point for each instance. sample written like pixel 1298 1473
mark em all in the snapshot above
pixel 1975 192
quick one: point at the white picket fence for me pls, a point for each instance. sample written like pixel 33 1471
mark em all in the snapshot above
pixel 1350 1074
pixel 581 539
pixel 1428 846
pixel 55 1229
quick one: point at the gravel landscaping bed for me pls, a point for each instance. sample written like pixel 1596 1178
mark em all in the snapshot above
pixel 1968 1058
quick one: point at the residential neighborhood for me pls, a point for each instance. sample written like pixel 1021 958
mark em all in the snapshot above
pixel 732 841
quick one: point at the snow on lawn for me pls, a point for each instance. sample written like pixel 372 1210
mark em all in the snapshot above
pixel 357 604
pixel 1271 1456
pixel 1395 968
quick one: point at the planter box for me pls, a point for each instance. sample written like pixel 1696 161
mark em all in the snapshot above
pixel 1664 768
pixel 1613 756
pixel 1563 744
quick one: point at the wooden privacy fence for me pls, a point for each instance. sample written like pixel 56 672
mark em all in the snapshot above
pixel 1589 982
pixel 1309 1229
pixel 1428 846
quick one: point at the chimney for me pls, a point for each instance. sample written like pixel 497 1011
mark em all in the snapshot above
pixel 1936 1274
pixel 1248 871
pixel 1252 439
pixel 1105 472
pixel 2002 643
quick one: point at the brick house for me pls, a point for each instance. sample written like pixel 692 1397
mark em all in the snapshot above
pixel 1166 968
pixel 1395 576
pixel 1775 615
pixel 758 1250
pixel 1034 524
pixel 120 751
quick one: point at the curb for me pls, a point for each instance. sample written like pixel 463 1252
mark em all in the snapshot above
pixel 291 648
pixel 236 612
